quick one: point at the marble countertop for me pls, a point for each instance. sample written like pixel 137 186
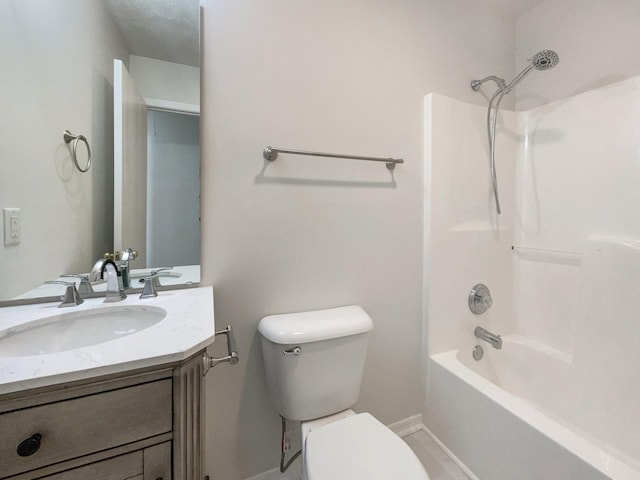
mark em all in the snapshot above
pixel 188 327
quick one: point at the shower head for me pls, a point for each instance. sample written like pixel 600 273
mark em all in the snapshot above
pixel 545 60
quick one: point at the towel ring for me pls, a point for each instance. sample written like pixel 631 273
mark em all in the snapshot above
pixel 70 137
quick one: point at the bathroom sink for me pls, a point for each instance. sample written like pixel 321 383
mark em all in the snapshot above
pixel 68 331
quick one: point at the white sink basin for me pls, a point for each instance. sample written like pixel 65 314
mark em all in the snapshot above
pixel 68 331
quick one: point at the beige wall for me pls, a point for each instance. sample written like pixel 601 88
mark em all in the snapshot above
pixel 306 233
pixel 57 75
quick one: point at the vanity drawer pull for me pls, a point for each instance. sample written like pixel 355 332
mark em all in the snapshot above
pixel 29 446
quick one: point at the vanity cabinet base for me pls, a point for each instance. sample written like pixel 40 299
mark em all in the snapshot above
pixel 141 425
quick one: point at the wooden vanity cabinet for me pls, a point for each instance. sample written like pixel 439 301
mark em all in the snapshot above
pixel 139 425
pixel 152 463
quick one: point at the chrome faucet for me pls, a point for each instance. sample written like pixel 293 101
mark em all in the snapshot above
pixel 115 289
pixel 487 336
pixel 126 257
pixel 96 271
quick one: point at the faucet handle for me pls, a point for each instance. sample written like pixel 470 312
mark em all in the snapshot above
pixel 115 256
pixel 128 254
pixel 151 281
pixel 71 297
pixel 85 285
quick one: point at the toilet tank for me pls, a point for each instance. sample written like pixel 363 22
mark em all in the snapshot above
pixel 314 360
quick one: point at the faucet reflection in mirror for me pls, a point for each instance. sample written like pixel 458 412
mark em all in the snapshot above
pixel 67 217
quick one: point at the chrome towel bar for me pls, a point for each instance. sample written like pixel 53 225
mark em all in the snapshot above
pixel 208 362
pixel 271 153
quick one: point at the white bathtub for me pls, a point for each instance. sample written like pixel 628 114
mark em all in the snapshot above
pixel 525 412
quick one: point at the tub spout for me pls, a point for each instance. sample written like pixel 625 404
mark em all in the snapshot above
pixel 487 336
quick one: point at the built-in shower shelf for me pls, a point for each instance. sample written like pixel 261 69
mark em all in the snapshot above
pixel 548 256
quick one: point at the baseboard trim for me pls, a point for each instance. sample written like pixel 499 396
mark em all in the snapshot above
pixel 407 426
pixel 450 454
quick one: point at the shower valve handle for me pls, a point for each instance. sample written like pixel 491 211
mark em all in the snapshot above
pixel 480 299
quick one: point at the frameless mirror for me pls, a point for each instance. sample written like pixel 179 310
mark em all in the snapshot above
pixel 63 60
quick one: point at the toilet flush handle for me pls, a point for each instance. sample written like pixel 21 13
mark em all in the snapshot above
pixel 293 351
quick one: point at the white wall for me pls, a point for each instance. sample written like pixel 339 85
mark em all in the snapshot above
pixel 171 83
pixel 598 42
pixel 57 75
pixel 305 233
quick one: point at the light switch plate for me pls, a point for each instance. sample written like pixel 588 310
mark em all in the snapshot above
pixel 11 226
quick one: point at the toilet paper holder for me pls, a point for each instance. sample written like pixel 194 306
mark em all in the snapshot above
pixel 208 362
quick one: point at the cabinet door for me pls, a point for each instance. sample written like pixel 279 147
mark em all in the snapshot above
pixel 124 467
pixel 157 462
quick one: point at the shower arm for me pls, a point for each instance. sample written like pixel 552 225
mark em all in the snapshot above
pixel 500 82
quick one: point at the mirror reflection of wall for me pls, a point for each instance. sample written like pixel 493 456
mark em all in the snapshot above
pixel 170 163
pixel 58 74
pixel 173 189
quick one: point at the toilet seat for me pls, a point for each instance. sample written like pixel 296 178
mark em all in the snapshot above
pixel 359 447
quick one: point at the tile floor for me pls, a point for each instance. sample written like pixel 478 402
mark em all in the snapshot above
pixel 437 464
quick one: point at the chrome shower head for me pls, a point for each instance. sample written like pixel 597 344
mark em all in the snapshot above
pixel 545 60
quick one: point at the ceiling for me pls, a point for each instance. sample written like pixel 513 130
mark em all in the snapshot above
pixel 162 29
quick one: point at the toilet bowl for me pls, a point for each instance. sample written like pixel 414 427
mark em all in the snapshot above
pixel 314 363
pixel 358 447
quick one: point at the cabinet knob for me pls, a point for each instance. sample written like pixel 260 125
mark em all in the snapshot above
pixel 29 446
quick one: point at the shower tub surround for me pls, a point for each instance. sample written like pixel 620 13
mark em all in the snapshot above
pixel 561 398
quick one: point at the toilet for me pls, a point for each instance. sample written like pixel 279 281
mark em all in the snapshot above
pixel 314 363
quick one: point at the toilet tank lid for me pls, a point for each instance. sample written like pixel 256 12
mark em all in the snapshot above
pixel 315 326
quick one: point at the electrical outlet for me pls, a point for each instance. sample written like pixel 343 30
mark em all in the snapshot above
pixel 11 226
